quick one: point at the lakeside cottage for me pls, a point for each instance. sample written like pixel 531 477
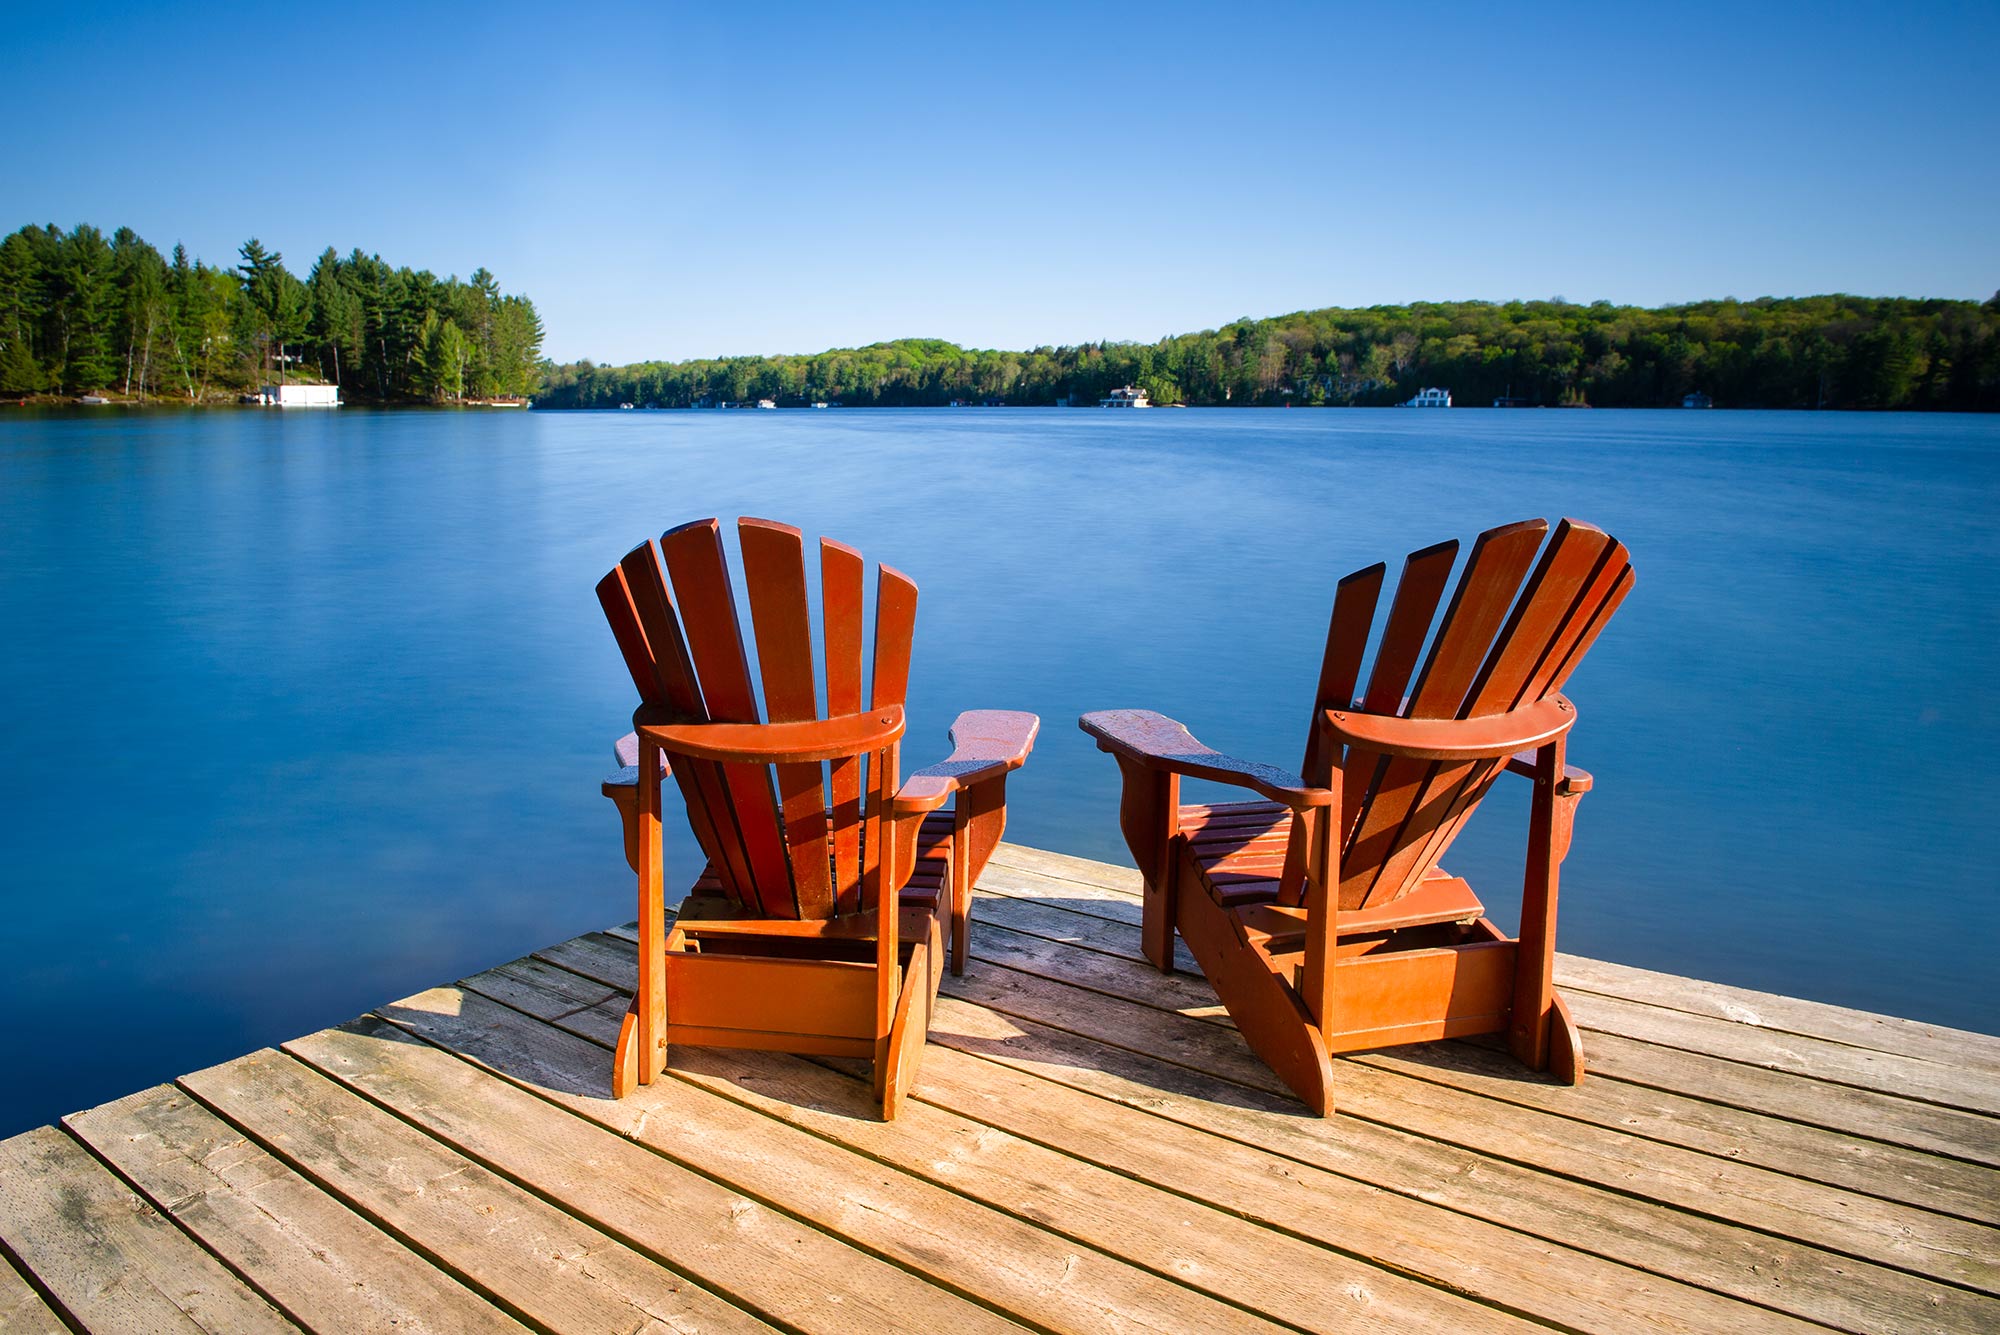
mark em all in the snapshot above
pixel 1430 398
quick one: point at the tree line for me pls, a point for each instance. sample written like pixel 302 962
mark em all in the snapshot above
pixel 81 312
pixel 1805 352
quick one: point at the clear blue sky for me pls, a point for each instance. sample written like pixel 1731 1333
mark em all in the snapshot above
pixel 676 180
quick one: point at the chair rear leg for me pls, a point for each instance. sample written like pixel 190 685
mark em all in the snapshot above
pixel 1529 1033
pixel 625 1057
pixel 1565 1044
pixel 902 1051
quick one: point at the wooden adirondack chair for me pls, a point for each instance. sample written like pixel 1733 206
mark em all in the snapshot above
pixel 1320 913
pixel 782 943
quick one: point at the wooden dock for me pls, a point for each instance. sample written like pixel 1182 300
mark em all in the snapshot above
pixel 1090 1148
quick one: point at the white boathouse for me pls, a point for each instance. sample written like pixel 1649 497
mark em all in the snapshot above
pixel 300 396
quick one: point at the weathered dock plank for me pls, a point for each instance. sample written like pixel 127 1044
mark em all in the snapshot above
pixel 107 1257
pixel 1776 1268
pixel 1190 1243
pixel 22 1311
pixel 319 1262
pixel 1961 1048
pixel 1113 965
pixel 943 1237
pixel 1090 1147
pixel 534 1259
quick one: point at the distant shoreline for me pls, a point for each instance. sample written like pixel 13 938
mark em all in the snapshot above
pixel 1834 351
pixel 69 403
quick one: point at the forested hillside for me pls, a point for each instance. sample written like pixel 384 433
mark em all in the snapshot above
pixel 81 312
pixel 1807 352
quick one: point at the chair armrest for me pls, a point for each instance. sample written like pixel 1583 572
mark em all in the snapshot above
pixel 1574 782
pixel 1486 738
pixel 835 738
pixel 985 744
pixel 1158 742
pixel 625 755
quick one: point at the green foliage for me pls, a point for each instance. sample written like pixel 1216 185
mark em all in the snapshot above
pixel 79 313
pixel 1832 352
pixel 444 353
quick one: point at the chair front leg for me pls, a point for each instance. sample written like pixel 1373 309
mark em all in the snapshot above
pixel 1320 829
pixel 978 817
pixel 650 999
pixel 1549 818
pixel 1149 814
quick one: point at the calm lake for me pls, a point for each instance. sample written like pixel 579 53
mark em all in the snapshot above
pixel 306 712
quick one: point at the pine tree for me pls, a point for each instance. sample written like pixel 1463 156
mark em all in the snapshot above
pixel 86 306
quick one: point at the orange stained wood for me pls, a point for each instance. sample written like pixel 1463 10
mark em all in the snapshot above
pixel 1350 928
pixel 796 803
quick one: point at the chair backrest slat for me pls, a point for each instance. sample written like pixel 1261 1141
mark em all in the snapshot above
pixel 642 581
pixel 1340 668
pixel 700 573
pixel 895 631
pixel 774 574
pixel 1615 581
pixel 1514 629
pixel 841 588
pixel 1347 630
pixel 1402 807
pixel 1547 608
pixel 1500 559
pixel 1410 611
pixel 888 684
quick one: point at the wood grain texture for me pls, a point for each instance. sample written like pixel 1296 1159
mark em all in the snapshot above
pixel 535 1260
pixel 774 572
pixel 1776 1013
pixel 1157 742
pixel 103 1253
pixel 761 1258
pixel 312 1257
pixel 700 572
pixel 1688 1191
pixel 1026 924
pixel 934 1232
pixel 22 1311
pixel 1805 1280
pixel 841 572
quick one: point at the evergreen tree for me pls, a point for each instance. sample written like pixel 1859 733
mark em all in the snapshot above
pixel 85 303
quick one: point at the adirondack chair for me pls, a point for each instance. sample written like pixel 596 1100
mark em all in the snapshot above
pixel 783 943
pixel 1320 913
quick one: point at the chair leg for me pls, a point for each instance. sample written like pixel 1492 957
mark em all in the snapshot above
pixel 1534 970
pixel 1149 815
pixel 961 892
pixel 625 1058
pixel 1267 1010
pixel 649 1000
pixel 1565 1044
pixel 902 1050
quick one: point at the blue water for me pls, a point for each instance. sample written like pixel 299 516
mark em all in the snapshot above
pixel 307 712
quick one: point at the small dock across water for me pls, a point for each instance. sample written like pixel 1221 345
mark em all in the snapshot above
pixel 1090 1148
